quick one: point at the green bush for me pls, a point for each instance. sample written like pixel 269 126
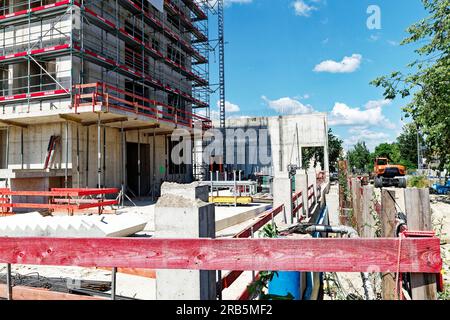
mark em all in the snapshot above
pixel 418 182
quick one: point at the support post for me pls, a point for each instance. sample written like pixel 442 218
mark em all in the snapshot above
pixel 66 169
pixel 99 153
pixel 282 195
pixel 139 162
pixel 356 200
pixel 301 184
pixel 418 212
pixel 183 211
pixel 367 209
pixel 388 224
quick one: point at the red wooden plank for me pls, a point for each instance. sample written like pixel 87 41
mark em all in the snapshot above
pixel 420 255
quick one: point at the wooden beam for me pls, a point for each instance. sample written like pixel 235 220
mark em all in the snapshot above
pixel 418 212
pixel 388 223
pixel 14 123
pixel 312 255
pixel 356 199
pixel 367 212
pixel 105 121
pixel 152 126
pixel 29 293
pixel 68 117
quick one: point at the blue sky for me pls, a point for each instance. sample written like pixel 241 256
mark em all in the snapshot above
pixel 299 56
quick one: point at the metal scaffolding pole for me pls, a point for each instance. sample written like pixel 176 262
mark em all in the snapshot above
pixel 66 169
pixel 99 152
pixel 87 156
pixel 139 162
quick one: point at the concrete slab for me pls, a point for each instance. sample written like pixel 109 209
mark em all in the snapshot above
pixel 35 225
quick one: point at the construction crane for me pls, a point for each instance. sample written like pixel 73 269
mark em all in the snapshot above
pixel 221 33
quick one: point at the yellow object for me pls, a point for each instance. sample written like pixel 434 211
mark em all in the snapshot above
pixel 230 200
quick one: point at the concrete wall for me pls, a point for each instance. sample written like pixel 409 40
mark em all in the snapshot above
pixel 282 147
pixel 35 143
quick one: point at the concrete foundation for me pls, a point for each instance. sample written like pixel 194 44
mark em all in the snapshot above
pixel 180 214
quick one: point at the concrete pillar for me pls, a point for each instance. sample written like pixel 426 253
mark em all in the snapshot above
pixel 182 211
pixel 301 184
pixel 282 194
pixel 312 180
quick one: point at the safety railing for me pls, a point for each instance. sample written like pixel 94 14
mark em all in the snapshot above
pixel 297 206
pixel 65 199
pixel 115 98
pixel 248 232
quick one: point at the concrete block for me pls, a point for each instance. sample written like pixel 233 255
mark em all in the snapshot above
pixel 282 194
pixel 301 184
pixel 180 214
pixel 190 191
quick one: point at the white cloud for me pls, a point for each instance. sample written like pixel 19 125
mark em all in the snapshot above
pixel 229 107
pixel 288 105
pixel 374 37
pixel 343 115
pixel 302 9
pixel 374 104
pixel 347 65
pixel 370 137
pixel 393 43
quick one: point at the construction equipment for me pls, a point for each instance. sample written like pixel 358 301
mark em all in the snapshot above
pixel 438 188
pixel 389 175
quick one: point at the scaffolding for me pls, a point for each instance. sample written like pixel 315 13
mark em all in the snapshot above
pixel 128 44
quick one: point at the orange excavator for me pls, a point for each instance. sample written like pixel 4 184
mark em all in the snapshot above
pixel 389 175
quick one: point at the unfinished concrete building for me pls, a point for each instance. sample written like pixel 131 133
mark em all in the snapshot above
pixel 91 90
pixel 280 140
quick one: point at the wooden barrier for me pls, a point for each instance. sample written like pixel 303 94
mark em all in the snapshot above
pixel 418 255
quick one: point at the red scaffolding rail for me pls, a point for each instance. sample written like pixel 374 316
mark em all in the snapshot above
pixel 109 96
pixel 66 199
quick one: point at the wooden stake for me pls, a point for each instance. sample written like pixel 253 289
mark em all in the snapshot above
pixel 418 211
pixel 367 207
pixel 388 214
pixel 356 200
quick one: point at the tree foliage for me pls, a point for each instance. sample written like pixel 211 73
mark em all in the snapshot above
pixel 427 80
pixel 360 158
pixel 335 152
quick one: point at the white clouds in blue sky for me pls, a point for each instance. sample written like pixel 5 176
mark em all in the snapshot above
pixel 347 65
pixel 288 106
pixel 372 115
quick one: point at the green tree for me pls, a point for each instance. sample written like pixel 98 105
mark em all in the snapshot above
pixel 335 152
pixel 407 143
pixel 360 158
pixel 427 80
pixel 388 150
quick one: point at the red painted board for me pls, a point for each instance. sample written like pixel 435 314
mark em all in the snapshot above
pixel 314 255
